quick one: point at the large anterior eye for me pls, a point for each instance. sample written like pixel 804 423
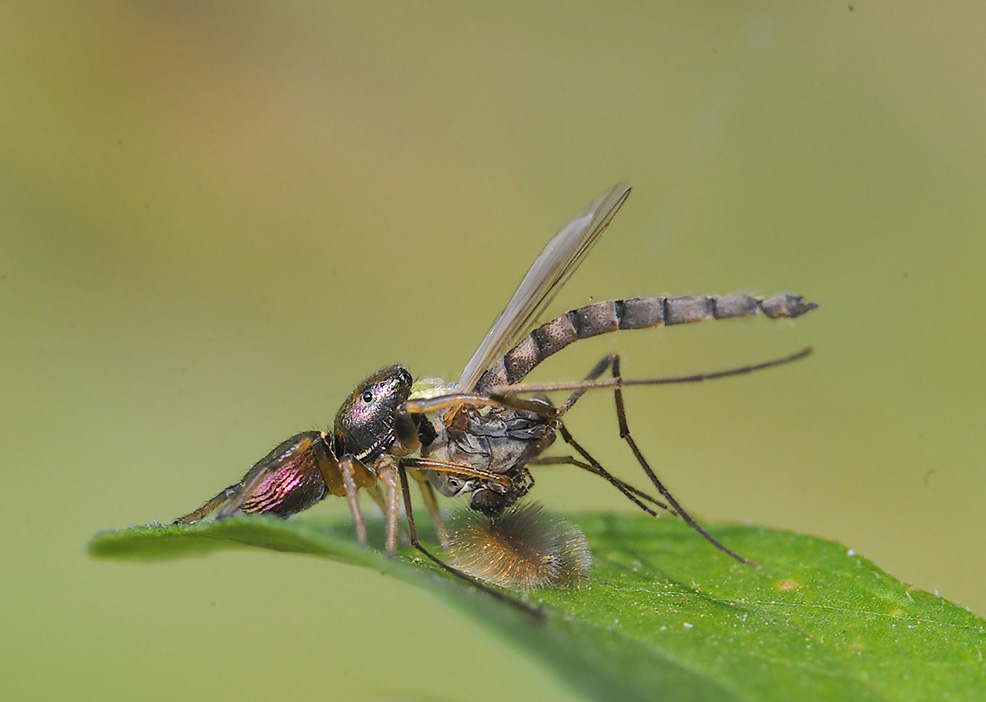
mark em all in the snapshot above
pixel 367 396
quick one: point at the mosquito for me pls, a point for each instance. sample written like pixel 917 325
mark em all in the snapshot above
pixel 476 437
pixel 484 422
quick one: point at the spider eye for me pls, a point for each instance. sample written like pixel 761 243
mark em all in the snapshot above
pixel 367 396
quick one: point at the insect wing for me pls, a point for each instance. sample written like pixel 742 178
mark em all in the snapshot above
pixel 549 272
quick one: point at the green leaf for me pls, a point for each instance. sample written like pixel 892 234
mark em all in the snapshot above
pixel 666 616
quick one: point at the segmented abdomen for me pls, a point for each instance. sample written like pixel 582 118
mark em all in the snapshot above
pixel 635 313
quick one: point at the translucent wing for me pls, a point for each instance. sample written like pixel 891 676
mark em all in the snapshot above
pixel 550 270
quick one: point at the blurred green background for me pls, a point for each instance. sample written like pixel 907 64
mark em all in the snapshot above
pixel 215 218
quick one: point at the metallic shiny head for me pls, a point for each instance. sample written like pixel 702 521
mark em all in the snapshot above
pixel 364 425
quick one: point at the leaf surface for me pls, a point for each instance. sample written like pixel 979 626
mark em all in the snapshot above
pixel 665 616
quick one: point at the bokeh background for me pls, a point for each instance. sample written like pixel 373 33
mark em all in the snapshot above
pixel 215 218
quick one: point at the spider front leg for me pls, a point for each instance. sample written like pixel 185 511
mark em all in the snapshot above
pixel 350 470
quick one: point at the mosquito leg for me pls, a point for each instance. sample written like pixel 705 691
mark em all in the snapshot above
pixel 612 360
pixel 348 472
pixel 630 492
pixel 621 416
pixel 413 531
pixel 210 506
pixel 605 474
pixel 431 503
pixel 428 464
pixel 514 389
pixel 572 461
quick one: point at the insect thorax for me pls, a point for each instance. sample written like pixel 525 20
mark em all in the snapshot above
pixel 499 440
